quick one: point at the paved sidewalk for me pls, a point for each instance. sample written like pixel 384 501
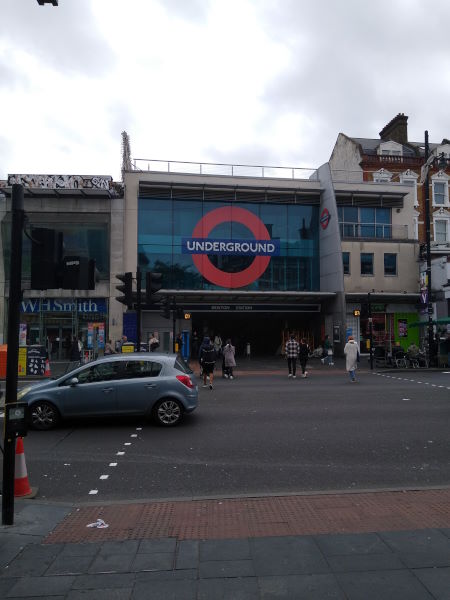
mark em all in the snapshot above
pixel 355 546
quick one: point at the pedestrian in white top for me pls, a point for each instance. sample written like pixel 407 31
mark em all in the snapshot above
pixel 351 357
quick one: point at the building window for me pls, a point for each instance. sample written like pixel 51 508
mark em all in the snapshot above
pixel 439 193
pixel 390 148
pixel 390 264
pixel 357 222
pixel 382 176
pixel 366 263
pixel 441 235
pixel 346 262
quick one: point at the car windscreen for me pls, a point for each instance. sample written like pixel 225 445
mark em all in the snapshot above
pixel 181 365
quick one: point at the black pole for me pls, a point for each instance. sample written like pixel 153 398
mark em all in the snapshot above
pixel 370 331
pixel 12 359
pixel 174 323
pixel 138 309
pixel 428 244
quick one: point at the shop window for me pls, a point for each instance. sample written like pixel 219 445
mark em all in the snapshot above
pixel 346 262
pixel 366 263
pixel 390 264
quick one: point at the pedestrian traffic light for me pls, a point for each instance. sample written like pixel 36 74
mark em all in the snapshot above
pixel 165 305
pixel 126 289
pixel 180 313
pixel 152 285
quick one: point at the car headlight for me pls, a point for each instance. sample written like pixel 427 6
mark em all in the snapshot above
pixel 23 391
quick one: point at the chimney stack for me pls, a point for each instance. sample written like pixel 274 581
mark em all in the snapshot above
pixel 396 130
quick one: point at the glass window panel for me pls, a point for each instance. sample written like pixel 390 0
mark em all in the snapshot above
pixel 155 221
pixel 350 214
pixel 390 264
pixel 383 215
pixel 438 192
pixel 186 215
pixel 440 231
pixel 346 262
pixel 366 263
pixel 367 215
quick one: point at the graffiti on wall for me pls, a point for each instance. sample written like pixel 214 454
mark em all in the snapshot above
pixel 68 182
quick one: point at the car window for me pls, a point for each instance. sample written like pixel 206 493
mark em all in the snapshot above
pixel 140 368
pixel 102 372
pixel 181 365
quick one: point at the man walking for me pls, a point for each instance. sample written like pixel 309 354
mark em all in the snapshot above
pixel 292 349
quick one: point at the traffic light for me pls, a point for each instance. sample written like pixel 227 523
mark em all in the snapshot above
pixel 46 255
pixel 152 285
pixel 165 305
pixel 126 289
pixel 180 313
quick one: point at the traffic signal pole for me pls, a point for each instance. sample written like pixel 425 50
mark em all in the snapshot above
pixel 15 296
pixel 138 309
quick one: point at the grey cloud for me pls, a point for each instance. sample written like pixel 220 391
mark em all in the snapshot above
pixel 9 77
pixel 187 9
pixel 120 117
pixel 348 65
pixel 64 37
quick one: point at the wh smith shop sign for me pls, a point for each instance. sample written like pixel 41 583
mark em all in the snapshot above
pixel 88 305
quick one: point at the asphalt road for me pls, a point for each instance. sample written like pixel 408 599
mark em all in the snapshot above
pixel 259 434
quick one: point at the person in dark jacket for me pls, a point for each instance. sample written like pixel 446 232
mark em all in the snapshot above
pixel 75 354
pixel 207 359
pixel 303 354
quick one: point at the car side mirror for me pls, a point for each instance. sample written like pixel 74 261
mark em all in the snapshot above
pixel 73 382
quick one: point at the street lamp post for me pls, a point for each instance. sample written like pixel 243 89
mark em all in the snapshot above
pixel 428 251
pixel 369 312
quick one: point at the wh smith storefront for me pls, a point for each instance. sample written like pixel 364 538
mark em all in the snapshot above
pixel 241 255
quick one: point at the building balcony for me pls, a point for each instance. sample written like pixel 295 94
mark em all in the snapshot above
pixel 373 231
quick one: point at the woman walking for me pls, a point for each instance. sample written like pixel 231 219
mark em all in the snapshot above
pixel 351 357
pixel 228 356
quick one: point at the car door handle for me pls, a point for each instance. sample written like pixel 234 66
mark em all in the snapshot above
pixel 110 389
pixel 150 385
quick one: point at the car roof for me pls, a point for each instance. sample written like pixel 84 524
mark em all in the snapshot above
pixel 135 355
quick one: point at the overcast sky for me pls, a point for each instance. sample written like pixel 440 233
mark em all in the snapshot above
pixel 265 82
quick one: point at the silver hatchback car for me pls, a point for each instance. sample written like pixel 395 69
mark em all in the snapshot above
pixel 157 385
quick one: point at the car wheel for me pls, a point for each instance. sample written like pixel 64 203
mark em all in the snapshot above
pixel 168 412
pixel 44 415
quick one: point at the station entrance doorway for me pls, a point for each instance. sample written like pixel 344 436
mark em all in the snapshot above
pixel 266 332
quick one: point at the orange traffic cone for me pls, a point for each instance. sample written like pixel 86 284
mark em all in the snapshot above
pixel 47 369
pixel 22 487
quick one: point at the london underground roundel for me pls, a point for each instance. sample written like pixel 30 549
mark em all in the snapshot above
pixel 261 248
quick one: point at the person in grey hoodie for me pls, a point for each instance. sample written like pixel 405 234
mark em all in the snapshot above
pixel 351 357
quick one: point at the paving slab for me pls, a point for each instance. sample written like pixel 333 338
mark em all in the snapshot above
pixel 296 587
pixel 41 587
pixel 363 543
pixel 107 594
pixel 226 568
pixel 166 590
pixel 437 581
pixel 287 556
pixel 385 585
pixel 241 588
pixel 224 550
pixel 187 554
pixel 107 581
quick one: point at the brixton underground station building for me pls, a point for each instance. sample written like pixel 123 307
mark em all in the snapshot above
pixel 249 253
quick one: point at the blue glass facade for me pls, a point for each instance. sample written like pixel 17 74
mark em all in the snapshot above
pixel 163 223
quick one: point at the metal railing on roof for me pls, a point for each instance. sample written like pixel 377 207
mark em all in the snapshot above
pixel 373 231
pixel 222 169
